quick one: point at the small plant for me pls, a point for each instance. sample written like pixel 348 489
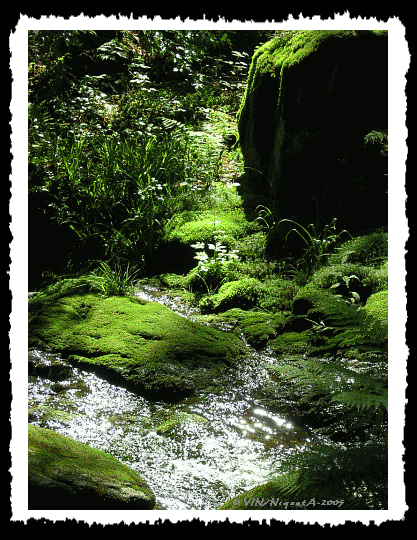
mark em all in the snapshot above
pixel 354 297
pixel 212 269
pixel 113 282
pixel 265 216
pixel 317 245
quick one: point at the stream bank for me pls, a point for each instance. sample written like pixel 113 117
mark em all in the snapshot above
pixel 194 454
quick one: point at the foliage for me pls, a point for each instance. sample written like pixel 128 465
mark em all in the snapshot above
pixel 368 250
pixel 122 131
pixel 317 244
pixel 357 476
pixel 55 291
pixel 378 137
pixel 113 282
pixel 212 269
pixel 357 473
pixel 335 383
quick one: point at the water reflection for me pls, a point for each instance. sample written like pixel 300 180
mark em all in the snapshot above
pixel 198 466
pixel 228 443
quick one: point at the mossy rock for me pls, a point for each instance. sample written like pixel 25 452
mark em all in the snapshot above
pixel 277 294
pixel 67 475
pixel 377 308
pixel 202 226
pixel 242 293
pixel 257 327
pixel 292 343
pixel 300 80
pixel 347 278
pixel 341 325
pixel 372 333
pixel 367 250
pixel 143 345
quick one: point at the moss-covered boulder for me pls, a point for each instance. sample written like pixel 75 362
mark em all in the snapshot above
pixel 323 323
pixel 315 101
pixel 242 293
pixel 376 309
pixel 67 475
pixel 256 327
pixel 143 345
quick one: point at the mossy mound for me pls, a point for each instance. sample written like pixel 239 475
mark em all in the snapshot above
pixel 202 226
pixel 377 308
pixel 67 475
pixel 326 323
pixel 242 293
pixel 292 343
pixel 256 327
pixel 144 345
pixel 370 249
pixel 372 333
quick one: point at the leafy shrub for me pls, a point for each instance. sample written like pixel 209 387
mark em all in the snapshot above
pixel 110 155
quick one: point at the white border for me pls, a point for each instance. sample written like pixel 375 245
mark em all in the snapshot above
pixel 399 59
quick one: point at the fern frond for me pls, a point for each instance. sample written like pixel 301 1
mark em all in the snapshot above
pixel 357 475
pixel 362 400
pixel 334 382
pixel 175 128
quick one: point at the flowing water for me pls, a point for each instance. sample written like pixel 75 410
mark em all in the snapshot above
pixel 227 444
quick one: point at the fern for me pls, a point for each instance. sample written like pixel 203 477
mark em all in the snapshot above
pixel 356 473
pixel 334 383
pixel 362 400
pixel 358 476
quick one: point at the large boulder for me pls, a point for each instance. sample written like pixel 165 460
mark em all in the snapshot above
pixel 313 127
pixel 67 475
pixel 142 345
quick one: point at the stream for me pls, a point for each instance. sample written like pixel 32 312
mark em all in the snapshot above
pixel 199 465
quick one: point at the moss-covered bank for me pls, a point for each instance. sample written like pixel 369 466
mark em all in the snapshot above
pixel 156 352
pixel 67 475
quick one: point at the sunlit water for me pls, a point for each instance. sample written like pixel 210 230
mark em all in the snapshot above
pixel 236 445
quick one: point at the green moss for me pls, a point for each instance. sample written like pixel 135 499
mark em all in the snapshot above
pixel 53 457
pixel 284 52
pixel 146 345
pixel 376 319
pixel 277 294
pixel 242 293
pixel 371 249
pixel 292 343
pixel 202 226
pixel 256 327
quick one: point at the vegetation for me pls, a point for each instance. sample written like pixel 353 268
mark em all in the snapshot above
pixel 132 148
pixel 125 133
